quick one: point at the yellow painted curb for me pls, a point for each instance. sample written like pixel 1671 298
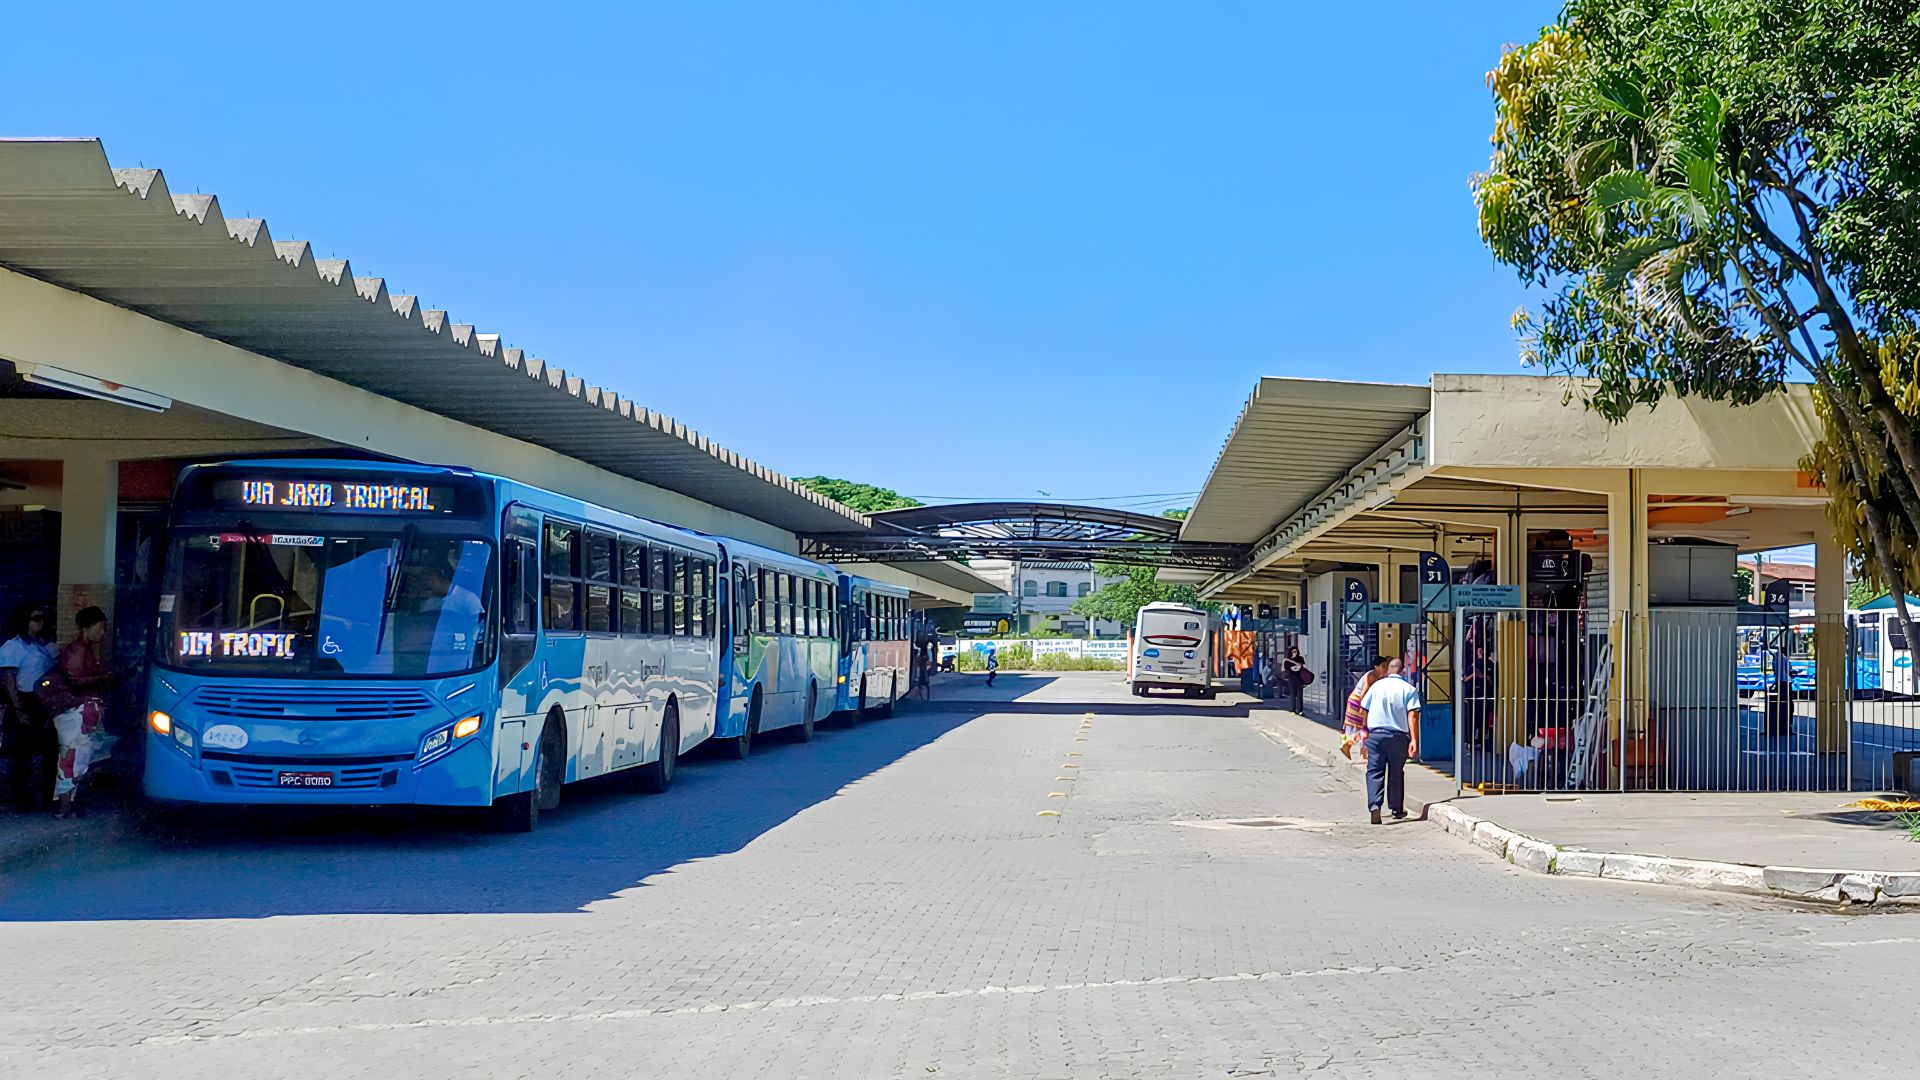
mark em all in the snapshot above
pixel 1049 813
pixel 1074 753
pixel 1056 794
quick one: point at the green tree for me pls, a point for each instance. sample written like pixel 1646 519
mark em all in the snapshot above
pixel 865 498
pixel 1720 195
pixel 1743 583
pixel 1860 591
pixel 1120 601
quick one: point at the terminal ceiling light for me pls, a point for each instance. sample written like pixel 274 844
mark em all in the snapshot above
pixel 74 382
pixel 1736 511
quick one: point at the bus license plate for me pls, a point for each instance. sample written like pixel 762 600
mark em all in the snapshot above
pixel 306 779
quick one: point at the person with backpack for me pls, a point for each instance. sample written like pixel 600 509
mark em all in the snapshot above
pixel 993 664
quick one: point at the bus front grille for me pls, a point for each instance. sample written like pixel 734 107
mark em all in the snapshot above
pixel 311 703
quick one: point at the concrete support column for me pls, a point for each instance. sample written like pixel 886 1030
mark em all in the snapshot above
pixel 89 524
pixel 1830 640
pixel 1627 629
pixel 1510 674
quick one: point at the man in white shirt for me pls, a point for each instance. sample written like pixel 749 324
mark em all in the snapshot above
pixel 1393 735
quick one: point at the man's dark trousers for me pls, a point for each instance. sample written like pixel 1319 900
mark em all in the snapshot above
pixel 1387 769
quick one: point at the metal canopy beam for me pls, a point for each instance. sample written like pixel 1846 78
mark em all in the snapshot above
pixel 1024 531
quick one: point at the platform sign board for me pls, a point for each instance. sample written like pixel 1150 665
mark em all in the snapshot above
pixel 1376 614
pixel 1277 626
pixel 1488 596
pixel 976 623
pixel 992 603
pixel 1436 582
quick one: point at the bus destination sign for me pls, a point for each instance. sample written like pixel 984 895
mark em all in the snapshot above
pixel 335 496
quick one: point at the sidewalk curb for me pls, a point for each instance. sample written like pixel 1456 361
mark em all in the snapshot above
pixel 1544 857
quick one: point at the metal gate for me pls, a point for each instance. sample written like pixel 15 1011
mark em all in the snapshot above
pixel 1883 713
pixel 1726 701
pixel 1530 692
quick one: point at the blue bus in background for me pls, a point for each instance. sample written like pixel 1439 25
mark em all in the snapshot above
pixel 1882 661
pixel 876 668
pixel 353 633
pixel 782 635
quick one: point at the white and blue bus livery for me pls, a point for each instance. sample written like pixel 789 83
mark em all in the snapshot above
pixel 352 633
pixel 876 667
pixel 782 636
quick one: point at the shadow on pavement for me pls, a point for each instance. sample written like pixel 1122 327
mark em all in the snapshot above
pixel 604 838
pixel 1171 706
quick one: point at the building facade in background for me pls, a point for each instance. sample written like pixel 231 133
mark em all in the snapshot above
pixel 1044 593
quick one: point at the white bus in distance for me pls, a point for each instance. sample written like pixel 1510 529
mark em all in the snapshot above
pixel 1171 651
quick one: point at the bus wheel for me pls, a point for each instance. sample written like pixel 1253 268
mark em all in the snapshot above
pixel 804 733
pixel 860 709
pixel 885 711
pixel 657 776
pixel 741 745
pixel 520 812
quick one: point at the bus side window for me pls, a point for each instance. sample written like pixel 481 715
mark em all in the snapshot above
pixel 697 597
pixel 633 588
pixel 522 588
pixel 657 582
pixel 561 571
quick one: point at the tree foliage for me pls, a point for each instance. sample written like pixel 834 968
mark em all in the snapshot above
pixel 865 498
pixel 1721 195
pixel 1120 601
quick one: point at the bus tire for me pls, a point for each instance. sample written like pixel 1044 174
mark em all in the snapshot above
pixel 520 811
pixel 860 707
pixel 804 732
pixel 885 712
pixel 1206 692
pixel 656 776
pixel 738 747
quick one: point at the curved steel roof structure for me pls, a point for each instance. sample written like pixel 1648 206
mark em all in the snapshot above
pixel 1025 531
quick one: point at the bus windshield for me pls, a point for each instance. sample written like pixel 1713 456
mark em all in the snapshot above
pixel 346 603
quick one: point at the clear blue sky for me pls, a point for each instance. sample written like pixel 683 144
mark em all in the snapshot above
pixel 1020 233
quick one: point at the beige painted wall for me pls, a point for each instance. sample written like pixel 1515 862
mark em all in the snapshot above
pixel 1482 421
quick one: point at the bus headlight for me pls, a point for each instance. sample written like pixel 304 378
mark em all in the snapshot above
pixel 161 723
pixel 436 742
pixel 466 727
pixel 183 736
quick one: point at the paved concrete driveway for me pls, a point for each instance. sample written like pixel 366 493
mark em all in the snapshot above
pixel 889 902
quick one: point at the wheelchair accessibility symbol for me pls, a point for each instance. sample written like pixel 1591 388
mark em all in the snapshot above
pixel 330 647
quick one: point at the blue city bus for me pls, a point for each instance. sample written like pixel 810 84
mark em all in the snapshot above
pixel 352 633
pixel 782 617
pixel 876 667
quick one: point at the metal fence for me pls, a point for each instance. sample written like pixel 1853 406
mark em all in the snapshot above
pixel 1530 704
pixel 1725 701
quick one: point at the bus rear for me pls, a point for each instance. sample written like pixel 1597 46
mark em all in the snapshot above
pixel 325 637
pixel 1170 651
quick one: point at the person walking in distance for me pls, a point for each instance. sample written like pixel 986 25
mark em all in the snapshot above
pixel 993 664
pixel 1393 735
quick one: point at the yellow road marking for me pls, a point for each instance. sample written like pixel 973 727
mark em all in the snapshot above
pixel 1056 794
pixel 1049 813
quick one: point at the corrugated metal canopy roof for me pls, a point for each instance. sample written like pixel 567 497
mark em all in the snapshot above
pixel 68 218
pixel 1293 439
